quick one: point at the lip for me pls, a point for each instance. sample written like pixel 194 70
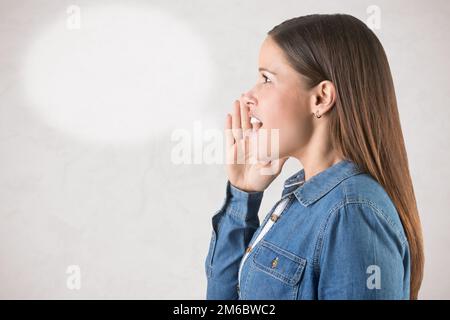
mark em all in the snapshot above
pixel 253 115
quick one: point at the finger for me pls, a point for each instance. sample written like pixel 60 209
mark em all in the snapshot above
pixel 236 121
pixel 245 118
pixel 229 139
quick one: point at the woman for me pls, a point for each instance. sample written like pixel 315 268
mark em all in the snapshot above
pixel 347 224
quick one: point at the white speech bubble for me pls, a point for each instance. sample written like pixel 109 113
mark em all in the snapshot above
pixel 127 74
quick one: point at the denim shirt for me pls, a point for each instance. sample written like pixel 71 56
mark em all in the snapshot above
pixel 338 237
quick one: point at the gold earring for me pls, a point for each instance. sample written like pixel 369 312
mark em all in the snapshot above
pixel 317 114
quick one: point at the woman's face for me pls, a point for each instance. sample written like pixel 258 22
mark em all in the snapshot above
pixel 280 100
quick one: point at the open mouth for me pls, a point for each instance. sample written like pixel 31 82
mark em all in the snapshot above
pixel 254 120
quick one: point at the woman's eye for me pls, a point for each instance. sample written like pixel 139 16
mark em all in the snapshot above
pixel 265 79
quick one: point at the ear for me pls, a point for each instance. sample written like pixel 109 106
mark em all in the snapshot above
pixel 324 97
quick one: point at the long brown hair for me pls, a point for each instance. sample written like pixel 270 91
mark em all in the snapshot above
pixel 364 123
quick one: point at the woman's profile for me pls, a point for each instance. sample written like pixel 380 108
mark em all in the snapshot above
pixel 346 225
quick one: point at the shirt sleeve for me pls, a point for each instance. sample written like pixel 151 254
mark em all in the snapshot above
pixel 232 229
pixel 363 255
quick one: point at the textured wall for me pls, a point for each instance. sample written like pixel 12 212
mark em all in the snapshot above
pixel 88 184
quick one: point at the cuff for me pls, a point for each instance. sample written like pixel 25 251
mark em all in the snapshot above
pixel 244 205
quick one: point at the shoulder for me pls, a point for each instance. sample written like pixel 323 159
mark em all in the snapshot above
pixel 361 204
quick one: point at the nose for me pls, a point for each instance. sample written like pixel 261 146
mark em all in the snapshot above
pixel 248 99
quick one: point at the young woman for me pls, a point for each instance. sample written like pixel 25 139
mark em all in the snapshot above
pixel 347 224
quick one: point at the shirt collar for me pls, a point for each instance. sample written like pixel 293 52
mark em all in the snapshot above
pixel 320 184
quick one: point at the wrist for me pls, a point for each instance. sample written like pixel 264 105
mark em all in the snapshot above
pixel 244 189
pixel 241 193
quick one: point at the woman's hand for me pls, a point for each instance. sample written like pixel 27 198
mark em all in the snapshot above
pixel 245 170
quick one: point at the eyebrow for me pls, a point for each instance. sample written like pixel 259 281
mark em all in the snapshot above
pixel 264 69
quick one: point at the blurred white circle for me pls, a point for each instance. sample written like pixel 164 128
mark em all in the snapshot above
pixel 126 75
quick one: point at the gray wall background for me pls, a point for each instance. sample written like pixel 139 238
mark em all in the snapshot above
pixel 137 224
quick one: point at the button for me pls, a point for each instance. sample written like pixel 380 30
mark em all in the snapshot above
pixel 274 217
pixel 275 262
pixel 248 249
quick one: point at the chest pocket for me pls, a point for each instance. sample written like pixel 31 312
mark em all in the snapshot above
pixel 279 263
pixel 275 274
